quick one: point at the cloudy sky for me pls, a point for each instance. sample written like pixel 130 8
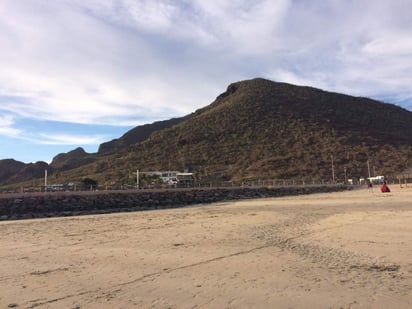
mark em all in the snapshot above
pixel 81 72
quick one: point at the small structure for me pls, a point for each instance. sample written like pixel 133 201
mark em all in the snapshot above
pixel 353 181
pixel 173 177
pixel 376 180
pixel 61 187
pixel 55 187
pixel 184 179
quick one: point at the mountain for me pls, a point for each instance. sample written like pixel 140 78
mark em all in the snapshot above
pixel 12 171
pixel 15 171
pixel 260 129
pixel 78 157
pixel 9 168
pixel 72 159
pixel 136 135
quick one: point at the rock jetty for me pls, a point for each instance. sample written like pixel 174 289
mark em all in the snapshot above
pixel 43 205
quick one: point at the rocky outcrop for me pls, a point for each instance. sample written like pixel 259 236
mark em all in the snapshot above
pixel 137 135
pixel 72 204
pixel 9 167
pixel 12 171
pixel 72 159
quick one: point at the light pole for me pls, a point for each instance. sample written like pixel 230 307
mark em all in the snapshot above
pixel 344 170
pixel 45 180
pixel 137 179
pixel 369 169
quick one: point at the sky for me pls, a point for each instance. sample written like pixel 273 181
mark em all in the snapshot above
pixel 82 72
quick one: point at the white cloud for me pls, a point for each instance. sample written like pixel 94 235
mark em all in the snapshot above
pixel 315 79
pixel 151 15
pixel 7 126
pixel 68 139
pixel 126 62
pixel 384 46
pixel 243 27
pixel 91 72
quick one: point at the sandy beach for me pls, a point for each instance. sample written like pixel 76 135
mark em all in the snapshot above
pixel 350 249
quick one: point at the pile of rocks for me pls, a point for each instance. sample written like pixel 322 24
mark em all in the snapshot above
pixel 77 203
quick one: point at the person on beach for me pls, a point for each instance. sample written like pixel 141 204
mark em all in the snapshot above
pixel 384 187
pixel 369 184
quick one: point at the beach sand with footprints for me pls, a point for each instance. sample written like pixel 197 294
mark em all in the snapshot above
pixel 349 249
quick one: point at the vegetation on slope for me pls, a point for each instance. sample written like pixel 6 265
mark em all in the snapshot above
pixel 262 129
pixel 259 129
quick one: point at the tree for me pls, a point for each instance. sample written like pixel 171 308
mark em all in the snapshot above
pixel 88 183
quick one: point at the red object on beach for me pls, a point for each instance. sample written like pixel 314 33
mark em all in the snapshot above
pixel 385 188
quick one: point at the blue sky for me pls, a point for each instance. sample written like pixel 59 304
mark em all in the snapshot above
pixel 82 72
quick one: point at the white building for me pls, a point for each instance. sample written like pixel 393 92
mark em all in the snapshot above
pixel 376 179
pixel 172 177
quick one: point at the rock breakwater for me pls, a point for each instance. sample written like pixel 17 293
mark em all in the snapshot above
pixel 59 204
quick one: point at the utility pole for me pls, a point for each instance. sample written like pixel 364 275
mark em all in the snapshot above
pixel 344 169
pixel 333 170
pixel 45 180
pixel 137 179
pixel 369 169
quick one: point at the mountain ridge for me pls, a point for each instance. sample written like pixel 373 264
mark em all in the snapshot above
pixel 261 128
pixel 136 135
pixel 311 108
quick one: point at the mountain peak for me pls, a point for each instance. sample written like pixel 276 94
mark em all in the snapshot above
pixel 260 129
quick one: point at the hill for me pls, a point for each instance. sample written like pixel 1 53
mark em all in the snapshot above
pixel 12 170
pixel 260 129
pixel 136 135
pixel 9 168
pixel 263 129
pixel 72 159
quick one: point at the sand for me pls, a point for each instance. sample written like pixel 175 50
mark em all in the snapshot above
pixel 337 250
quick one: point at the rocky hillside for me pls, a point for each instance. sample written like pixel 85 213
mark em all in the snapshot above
pixel 15 171
pixel 72 159
pixel 263 129
pixel 12 171
pixel 9 168
pixel 136 135
pixel 260 129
